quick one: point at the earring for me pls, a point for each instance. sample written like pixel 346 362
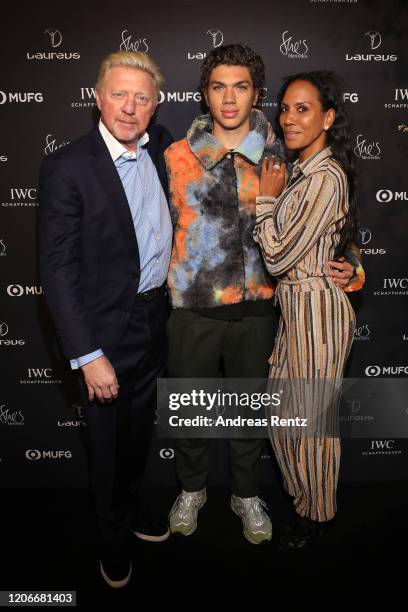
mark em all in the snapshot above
pixel 326 127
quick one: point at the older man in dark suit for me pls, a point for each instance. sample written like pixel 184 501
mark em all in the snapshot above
pixel 105 247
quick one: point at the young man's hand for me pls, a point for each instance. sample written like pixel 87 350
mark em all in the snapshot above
pixel 341 272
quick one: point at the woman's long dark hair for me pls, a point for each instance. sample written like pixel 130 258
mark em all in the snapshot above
pixel 338 139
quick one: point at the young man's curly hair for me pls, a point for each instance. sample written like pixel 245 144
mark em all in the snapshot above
pixel 234 55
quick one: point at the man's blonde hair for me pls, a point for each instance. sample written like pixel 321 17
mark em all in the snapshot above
pixel 132 59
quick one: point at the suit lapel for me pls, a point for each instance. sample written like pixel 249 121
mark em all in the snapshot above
pixel 156 155
pixel 112 187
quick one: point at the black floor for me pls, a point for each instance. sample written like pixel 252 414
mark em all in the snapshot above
pixel 46 544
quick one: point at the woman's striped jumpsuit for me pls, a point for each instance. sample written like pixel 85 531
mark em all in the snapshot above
pixel 298 233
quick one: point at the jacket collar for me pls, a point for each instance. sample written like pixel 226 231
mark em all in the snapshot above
pixel 99 149
pixel 210 152
pixel 99 143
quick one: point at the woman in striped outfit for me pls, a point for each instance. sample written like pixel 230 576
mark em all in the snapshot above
pixel 300 226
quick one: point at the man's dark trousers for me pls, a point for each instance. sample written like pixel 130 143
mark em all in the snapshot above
pixel 199 347
pixel 120 431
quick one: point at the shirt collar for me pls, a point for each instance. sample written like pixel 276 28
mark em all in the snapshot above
pixel 313 163
pixel 115 148
pixel 210 152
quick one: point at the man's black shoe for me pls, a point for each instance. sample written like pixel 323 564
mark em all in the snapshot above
pixel 150 527
pixel 299 534
pixel 116 571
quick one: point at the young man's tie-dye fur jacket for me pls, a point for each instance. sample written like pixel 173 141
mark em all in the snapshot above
pixel 215 260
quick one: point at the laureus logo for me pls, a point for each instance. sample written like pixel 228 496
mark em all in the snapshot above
pixel 3 329
pixel 217 37
pixel 55 37
pixel 365 234
pixel 375 39
pixel 375 43
pixel 9 342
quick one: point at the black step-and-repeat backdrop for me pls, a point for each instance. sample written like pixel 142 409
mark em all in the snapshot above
pixel 50 56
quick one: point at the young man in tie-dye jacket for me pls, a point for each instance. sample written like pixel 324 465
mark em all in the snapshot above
pixel 223 317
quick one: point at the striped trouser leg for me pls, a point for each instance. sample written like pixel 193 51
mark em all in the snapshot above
pixel 314 339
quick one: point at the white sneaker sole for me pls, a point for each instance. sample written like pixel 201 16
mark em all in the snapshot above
pixel 175 531
pixel 246 534
pixel 115 584
pixel 184 533
pixel 151 538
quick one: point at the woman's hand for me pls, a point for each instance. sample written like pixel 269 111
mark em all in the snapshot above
pixel 273 177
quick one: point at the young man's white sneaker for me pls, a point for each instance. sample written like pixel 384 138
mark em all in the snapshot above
pixel 257 524
pixel 183 515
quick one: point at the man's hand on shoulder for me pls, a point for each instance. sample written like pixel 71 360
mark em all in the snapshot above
pixel 100 379
pixel 341 272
